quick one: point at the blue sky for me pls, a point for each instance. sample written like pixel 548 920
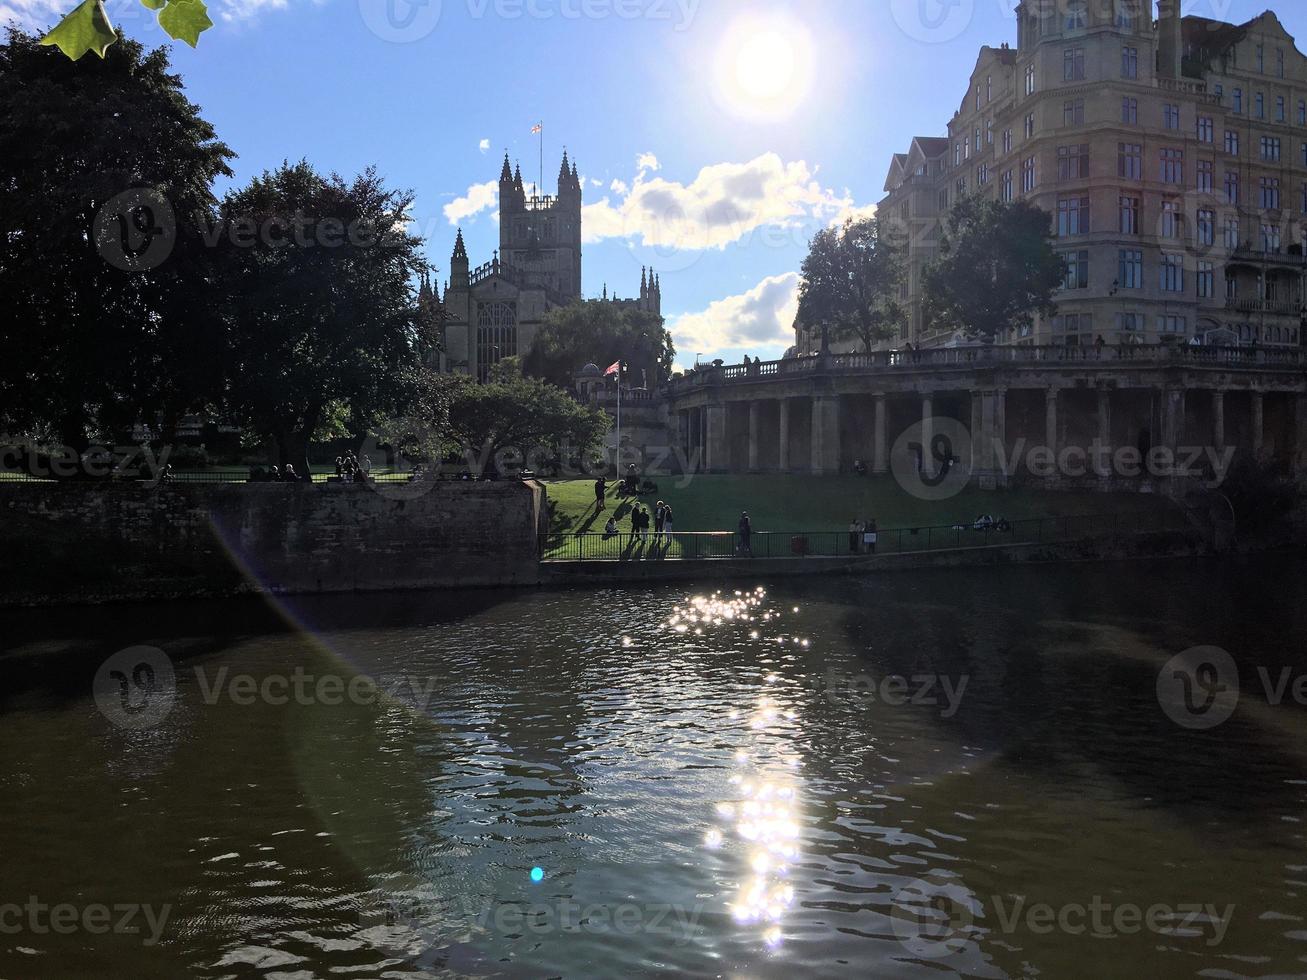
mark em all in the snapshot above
pixel 715 136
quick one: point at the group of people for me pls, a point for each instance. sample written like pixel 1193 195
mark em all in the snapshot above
pixel 661 521
pixel 863 536
pixel 352 469
pixel 275 474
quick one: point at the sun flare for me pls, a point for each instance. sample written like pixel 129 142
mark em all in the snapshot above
pixel 764 67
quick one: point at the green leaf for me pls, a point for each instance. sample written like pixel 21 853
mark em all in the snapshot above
pixel 154 4
pixel 185 20
pixel 87 28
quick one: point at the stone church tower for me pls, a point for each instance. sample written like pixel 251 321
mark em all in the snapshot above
pixel 540 237
pixel 493 311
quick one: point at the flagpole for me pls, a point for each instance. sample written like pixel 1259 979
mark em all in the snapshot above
pixel 619 419
pixel 540 187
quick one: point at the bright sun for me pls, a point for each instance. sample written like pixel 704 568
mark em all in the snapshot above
pixel 764 67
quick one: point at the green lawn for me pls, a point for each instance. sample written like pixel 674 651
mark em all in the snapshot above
pixel 826 503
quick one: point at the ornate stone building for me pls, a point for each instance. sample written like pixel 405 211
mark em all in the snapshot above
pixel 493 311
pixel 1171 155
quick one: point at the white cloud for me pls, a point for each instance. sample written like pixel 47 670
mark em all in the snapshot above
pixel 31 15
pixel 238 10
pixel 484 146
pixel 479 197
pixel 725 203
pixel 647 161
pixel 853 214
pixel 762 317
pixel 596 182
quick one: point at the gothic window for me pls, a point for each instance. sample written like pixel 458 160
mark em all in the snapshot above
pixel 496 335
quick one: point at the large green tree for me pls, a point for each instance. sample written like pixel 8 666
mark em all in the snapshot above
pixel 110 309
pixel 602 333
pixel 527 417
pixel 320 275
pixel 997 269
pixel 851 280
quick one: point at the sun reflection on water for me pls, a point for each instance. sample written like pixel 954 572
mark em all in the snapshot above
pixel 761 820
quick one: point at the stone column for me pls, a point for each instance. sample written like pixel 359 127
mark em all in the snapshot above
pixel 1105 427
pixel 927 429
pixel 825 435
pixel 1218 420
pixel 1050 419
pixel 784 456
pixel 753 437
pixel 1173 418
pixel 1300 434
pixel 999 449
pixel 977 431
pixel 880 462
pixel 1259 423
pixel 716 424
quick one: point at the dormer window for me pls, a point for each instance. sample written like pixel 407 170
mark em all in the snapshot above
pixel 1076 16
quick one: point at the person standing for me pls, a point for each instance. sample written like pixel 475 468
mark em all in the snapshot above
pixel 746 534
pixel 667 523
pixel 635 524
pixel 660 516
pixel 601 494
pixel 855 536
pixel 870 534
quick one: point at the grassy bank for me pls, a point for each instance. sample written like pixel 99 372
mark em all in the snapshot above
pixel 812 503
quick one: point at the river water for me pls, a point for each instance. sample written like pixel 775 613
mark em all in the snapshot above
pixel 955 773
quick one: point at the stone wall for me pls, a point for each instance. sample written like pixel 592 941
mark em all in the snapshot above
pixel 70 542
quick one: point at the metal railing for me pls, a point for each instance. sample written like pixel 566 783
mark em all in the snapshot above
pixel 719 545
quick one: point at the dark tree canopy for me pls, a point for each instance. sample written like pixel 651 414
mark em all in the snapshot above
pixel 997 269
pixel 92 346
pixel 602 333
pixel 851 280
pixel 320 276
pixel 528 415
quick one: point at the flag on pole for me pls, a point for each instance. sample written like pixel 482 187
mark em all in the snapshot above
pixel 615 369
pixel 537 128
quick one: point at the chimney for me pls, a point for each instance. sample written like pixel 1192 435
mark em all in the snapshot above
pixel 1170 39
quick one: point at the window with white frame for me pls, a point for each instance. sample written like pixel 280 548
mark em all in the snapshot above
pixel 1077 270
pixel 1172 273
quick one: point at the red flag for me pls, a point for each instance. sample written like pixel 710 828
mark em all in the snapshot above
pixel 537 128
pixel 615 369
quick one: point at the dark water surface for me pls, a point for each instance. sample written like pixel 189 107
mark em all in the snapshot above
pixel 731 786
